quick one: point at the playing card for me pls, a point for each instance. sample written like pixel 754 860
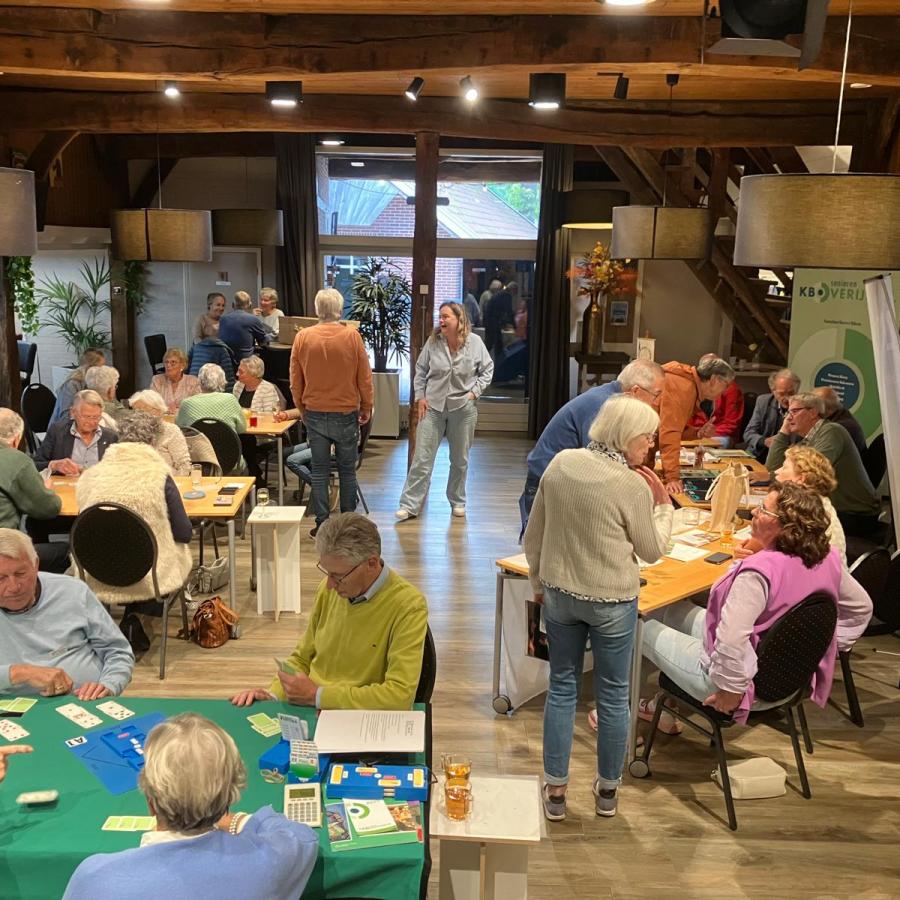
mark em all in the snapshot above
pixel 269 730
pixel 17 704
pixel 129 823
pixel 115 710
pixel 76 741
pixel 292 729
pixel 261 720
pixel 285 667
pixel 79 715
pixel 12 731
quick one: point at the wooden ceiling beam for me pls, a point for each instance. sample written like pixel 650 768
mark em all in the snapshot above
pixel 184 146
pixel 642 124
pixel 143 44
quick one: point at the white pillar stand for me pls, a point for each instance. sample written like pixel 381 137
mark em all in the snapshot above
pixel 486 856
pixel 276 536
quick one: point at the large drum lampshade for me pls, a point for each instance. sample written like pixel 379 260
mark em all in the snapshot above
pixel 18 222
pixel 248 227
pixel 661 232
pixel 833 221
pixel 162 235
pixel 588 208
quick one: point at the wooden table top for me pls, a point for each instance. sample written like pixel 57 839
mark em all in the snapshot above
pixel 205 508
pixel 266 424
pixel 667 582
pixel 758 472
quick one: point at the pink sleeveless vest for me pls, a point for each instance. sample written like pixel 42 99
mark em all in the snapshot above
pixel 789 583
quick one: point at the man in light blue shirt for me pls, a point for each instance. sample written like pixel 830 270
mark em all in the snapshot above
pixel 568 429
pixel 55 636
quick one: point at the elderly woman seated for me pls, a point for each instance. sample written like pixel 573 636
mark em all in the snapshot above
pixel 104 380
pixel 711 653
pixel 252 392
pixel 192 776
pixel 173 385
pixel 170 442
pixel 209 349
pixel 212 402
pixel 135 476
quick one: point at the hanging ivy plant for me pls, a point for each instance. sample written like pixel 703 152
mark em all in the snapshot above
pixel 21 280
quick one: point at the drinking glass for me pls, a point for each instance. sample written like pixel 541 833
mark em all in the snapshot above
pixel 456 766
pixel 727 536
pixel 196 475
pixel 690 515
pixel 458 798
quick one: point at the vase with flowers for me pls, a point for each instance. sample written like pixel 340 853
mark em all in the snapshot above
pixel 598 275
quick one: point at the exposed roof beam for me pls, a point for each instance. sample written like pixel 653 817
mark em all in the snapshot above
pixel 642 124
pixel 218 46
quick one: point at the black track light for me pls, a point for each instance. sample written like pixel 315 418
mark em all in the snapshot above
pixel 621 91
pixel 546 90
pixel 286 94
pixel 414 89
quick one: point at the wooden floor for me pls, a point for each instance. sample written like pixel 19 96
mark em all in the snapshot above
pixel 668 838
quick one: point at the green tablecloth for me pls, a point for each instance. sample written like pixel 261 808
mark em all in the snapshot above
pixel 40 848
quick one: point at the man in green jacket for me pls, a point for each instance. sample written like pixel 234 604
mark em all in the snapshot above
pixel 23 492
pixel 854 497
pixel 363 646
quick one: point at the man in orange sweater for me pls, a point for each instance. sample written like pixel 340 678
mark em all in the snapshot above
pixel 331 383
pixel 684 389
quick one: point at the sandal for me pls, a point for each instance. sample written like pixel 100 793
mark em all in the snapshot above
pixel 668 724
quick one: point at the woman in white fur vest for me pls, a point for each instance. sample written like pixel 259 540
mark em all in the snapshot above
pixel 136 477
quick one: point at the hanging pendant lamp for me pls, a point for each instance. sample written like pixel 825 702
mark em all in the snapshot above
pixel 829 221
pixel 586 208
pixel 162 235
pixel 18 223
pixel 248 227
pixel 661 232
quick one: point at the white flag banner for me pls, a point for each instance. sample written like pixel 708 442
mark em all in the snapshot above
pixel 886 347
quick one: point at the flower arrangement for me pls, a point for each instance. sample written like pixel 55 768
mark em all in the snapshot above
pixel 597 272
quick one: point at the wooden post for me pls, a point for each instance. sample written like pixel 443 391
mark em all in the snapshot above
pixel 10 383
pixel 122 331
pixel 423 260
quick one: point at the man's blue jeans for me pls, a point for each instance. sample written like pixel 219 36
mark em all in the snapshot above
pixel 342 430
pixel 610 626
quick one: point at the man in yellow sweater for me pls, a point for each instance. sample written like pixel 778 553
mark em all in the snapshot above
pixel 363 646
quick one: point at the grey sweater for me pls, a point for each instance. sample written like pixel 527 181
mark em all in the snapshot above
pixel 68 629
pixel 591 515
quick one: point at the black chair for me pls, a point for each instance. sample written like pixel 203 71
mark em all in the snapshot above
pixel 155 345
pixel 306 476
pixel 37 404
pixel 875 460
pixel 429 669
pixel 871 570
pixel 788 656
pixel 116 547
pixel 225 442
pixel 750 399
pixel 27 356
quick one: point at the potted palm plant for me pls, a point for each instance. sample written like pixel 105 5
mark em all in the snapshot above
pixel 382 304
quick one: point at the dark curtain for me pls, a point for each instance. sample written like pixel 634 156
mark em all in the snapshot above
pixel 548 369
pixel 295 191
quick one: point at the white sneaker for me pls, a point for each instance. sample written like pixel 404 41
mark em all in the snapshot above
pixel 459 512
pixel 402 514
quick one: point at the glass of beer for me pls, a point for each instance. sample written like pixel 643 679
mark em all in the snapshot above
pixel 456 766
pixel 458 798
pixel 727 536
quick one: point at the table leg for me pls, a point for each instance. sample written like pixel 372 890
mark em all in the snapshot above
pixel 500 703
pixel 276 596
pixel 482 872
pixel 232 566
pixel 635 690
pixel 280 473
pixel 252 498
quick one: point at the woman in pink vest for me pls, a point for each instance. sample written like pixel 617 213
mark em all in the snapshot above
pixel 711 653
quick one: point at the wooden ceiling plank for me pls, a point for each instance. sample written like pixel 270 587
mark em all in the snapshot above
pixel 214 47
pixel 642 124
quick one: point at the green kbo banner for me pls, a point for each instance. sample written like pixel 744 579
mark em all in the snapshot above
pixel 831 343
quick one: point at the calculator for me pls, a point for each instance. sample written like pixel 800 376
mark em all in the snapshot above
pixel 303 803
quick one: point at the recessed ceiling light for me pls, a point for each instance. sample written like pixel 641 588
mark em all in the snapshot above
pixel 356 164
pixel 859 85
pixel 469 91
pixel 331 142
pixel 171 89
pixel 284 94
pixel 414 89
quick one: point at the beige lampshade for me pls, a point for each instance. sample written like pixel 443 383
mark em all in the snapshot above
pixel 661 232
pixel 248 227
pixel 820 221
pixel 590 208
pixel 162 235
pixel 18 224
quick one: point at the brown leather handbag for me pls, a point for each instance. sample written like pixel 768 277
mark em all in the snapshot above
pixel 213 623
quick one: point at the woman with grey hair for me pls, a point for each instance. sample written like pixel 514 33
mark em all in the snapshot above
pixel 212 402
pixel 252 391
pixel 208 348
pixel 173 385
pixel 596 510
pixel 104 380
pixel 170 444
pixel 192 776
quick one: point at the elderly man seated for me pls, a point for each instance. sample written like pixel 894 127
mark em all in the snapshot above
pixel 75 444
pixel 360 604
pixel 23 492
pixel 55 636
pixel 193 774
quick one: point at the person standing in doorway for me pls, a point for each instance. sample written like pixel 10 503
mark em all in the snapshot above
pixel 331 383
pixel 452 371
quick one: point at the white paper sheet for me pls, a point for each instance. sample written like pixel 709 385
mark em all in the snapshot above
pixel 370 731
pixel 683 553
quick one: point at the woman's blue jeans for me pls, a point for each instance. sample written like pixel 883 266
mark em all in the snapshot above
pixel 610 626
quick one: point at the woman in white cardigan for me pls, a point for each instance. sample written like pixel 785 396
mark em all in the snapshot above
pixel 170 444
pixel 596 510
pixel 252 392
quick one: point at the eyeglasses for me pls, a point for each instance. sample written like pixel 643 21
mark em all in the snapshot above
pixel 338 579
pixel 767 512
pixel 792 411
pixel 654 394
